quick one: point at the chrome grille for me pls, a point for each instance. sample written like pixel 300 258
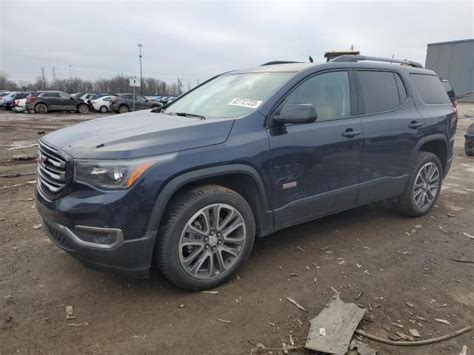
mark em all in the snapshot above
pixel 52 170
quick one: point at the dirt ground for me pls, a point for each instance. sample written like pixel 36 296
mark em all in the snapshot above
pixel 404 271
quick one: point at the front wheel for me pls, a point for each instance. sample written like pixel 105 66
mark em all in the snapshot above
pixel 83 108
pixel 103 109
pixel 208 235
pixel 423 186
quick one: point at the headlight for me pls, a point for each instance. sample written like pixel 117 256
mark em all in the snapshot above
pixel 115 174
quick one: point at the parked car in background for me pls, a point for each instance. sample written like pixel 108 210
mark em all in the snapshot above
pixel 9 100
pixel 55 101
pixel 123 103
pixel 20 105
pixel 189 188
pixel 167 99
pixel 452 95
pixel 2 95
pixel 101 104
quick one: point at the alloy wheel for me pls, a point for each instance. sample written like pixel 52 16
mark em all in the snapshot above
pixel 426 186
pixel 212 241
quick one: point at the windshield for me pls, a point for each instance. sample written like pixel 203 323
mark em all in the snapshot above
pixel 229 96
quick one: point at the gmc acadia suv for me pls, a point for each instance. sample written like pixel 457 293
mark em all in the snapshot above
pixel 189 186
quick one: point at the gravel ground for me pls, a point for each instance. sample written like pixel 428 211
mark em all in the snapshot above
pixel 404 271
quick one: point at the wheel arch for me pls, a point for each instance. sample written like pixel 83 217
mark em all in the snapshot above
pixel 241 178
pixel 436 144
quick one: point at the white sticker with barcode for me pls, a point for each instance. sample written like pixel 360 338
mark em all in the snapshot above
pixel 250 103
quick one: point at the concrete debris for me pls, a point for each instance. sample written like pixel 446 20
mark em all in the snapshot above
pixel 397 325
pixel 292 301
pixel 463 350
pixel 331 331
pixel 210 292
pixel 223 321
pixel 444 321
pixel 70 313
pixel 300 249
pixel 409 304
pixel 37 226
pixel 414 333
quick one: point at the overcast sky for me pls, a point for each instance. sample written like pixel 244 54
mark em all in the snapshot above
pixel 197 39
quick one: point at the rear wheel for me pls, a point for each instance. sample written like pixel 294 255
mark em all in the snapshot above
pixel 41 108
pixel 208 235
pixel 83 108
pixel 123 109
pixel 103 109
pixel 423 186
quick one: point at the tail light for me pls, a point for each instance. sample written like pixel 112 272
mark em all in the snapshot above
pixel 31 99
pixel 14 103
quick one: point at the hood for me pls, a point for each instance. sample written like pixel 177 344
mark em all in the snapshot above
pixel 138 134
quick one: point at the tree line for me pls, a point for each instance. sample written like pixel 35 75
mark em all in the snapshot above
pixel 117 84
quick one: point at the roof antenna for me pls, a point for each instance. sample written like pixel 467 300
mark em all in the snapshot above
pixel 311 59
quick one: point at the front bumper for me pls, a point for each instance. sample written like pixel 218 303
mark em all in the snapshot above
pixel 127 257
pixel 106 231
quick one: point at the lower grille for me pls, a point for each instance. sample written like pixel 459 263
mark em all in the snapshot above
pixel 58 237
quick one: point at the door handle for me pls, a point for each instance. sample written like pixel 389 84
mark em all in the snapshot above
pixel 349 133
pixel 415 124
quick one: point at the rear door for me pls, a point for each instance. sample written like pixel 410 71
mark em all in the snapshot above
pixel 51 99
pixel 392 127
pixel 315 166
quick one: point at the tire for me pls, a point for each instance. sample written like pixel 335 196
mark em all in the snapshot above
pixel 83 108
pixel 468 150
pixel 123 109
pixel 412 202
pixel 103 109
pixel 176 260
pixel 41 108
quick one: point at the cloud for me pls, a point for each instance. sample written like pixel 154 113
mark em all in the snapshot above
pixel 198 39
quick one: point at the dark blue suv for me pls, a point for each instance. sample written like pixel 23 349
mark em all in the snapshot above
pixel 189 186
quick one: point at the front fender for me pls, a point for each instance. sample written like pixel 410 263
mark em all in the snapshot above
pixel 177 182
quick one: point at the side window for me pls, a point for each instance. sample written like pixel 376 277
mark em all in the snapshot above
pixel 402 91
pixel 141 98
pixel 50 94
pixel 379 91
pixel 430 88
pixel 329 92
pixel 63 95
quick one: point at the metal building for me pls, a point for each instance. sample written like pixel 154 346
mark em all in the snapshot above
pixel 453 61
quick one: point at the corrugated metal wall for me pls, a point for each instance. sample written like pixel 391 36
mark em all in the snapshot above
pixel 453 61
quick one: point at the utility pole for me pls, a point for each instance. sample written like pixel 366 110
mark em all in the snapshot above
pixel 70 72
pixel 43 79
pixel 140 46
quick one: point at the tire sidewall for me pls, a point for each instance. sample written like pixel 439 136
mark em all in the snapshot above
pixel 123 109
pixel 429 158
pixel 103 109
pixel 83 108
pixel 174 233
pixel 40 105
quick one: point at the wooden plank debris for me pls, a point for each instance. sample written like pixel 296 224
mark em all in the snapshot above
pixel 331 331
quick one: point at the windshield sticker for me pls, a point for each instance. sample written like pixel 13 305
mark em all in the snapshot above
pixel 250 103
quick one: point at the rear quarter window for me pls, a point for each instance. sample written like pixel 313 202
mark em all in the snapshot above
pixel 430 89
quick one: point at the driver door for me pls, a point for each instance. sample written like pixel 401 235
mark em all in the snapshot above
pixel 315 166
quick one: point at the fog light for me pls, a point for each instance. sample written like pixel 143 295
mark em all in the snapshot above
pixel 101 237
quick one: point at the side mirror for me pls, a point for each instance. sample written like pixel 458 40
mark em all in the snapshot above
pixel 296 114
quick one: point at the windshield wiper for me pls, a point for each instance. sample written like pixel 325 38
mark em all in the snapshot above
pixel 192 115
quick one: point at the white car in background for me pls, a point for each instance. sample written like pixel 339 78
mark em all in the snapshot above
pixel 102 103
pixel 20 105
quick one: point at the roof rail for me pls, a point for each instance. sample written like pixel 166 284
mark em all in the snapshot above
pixel 279 62
pixel 356 58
